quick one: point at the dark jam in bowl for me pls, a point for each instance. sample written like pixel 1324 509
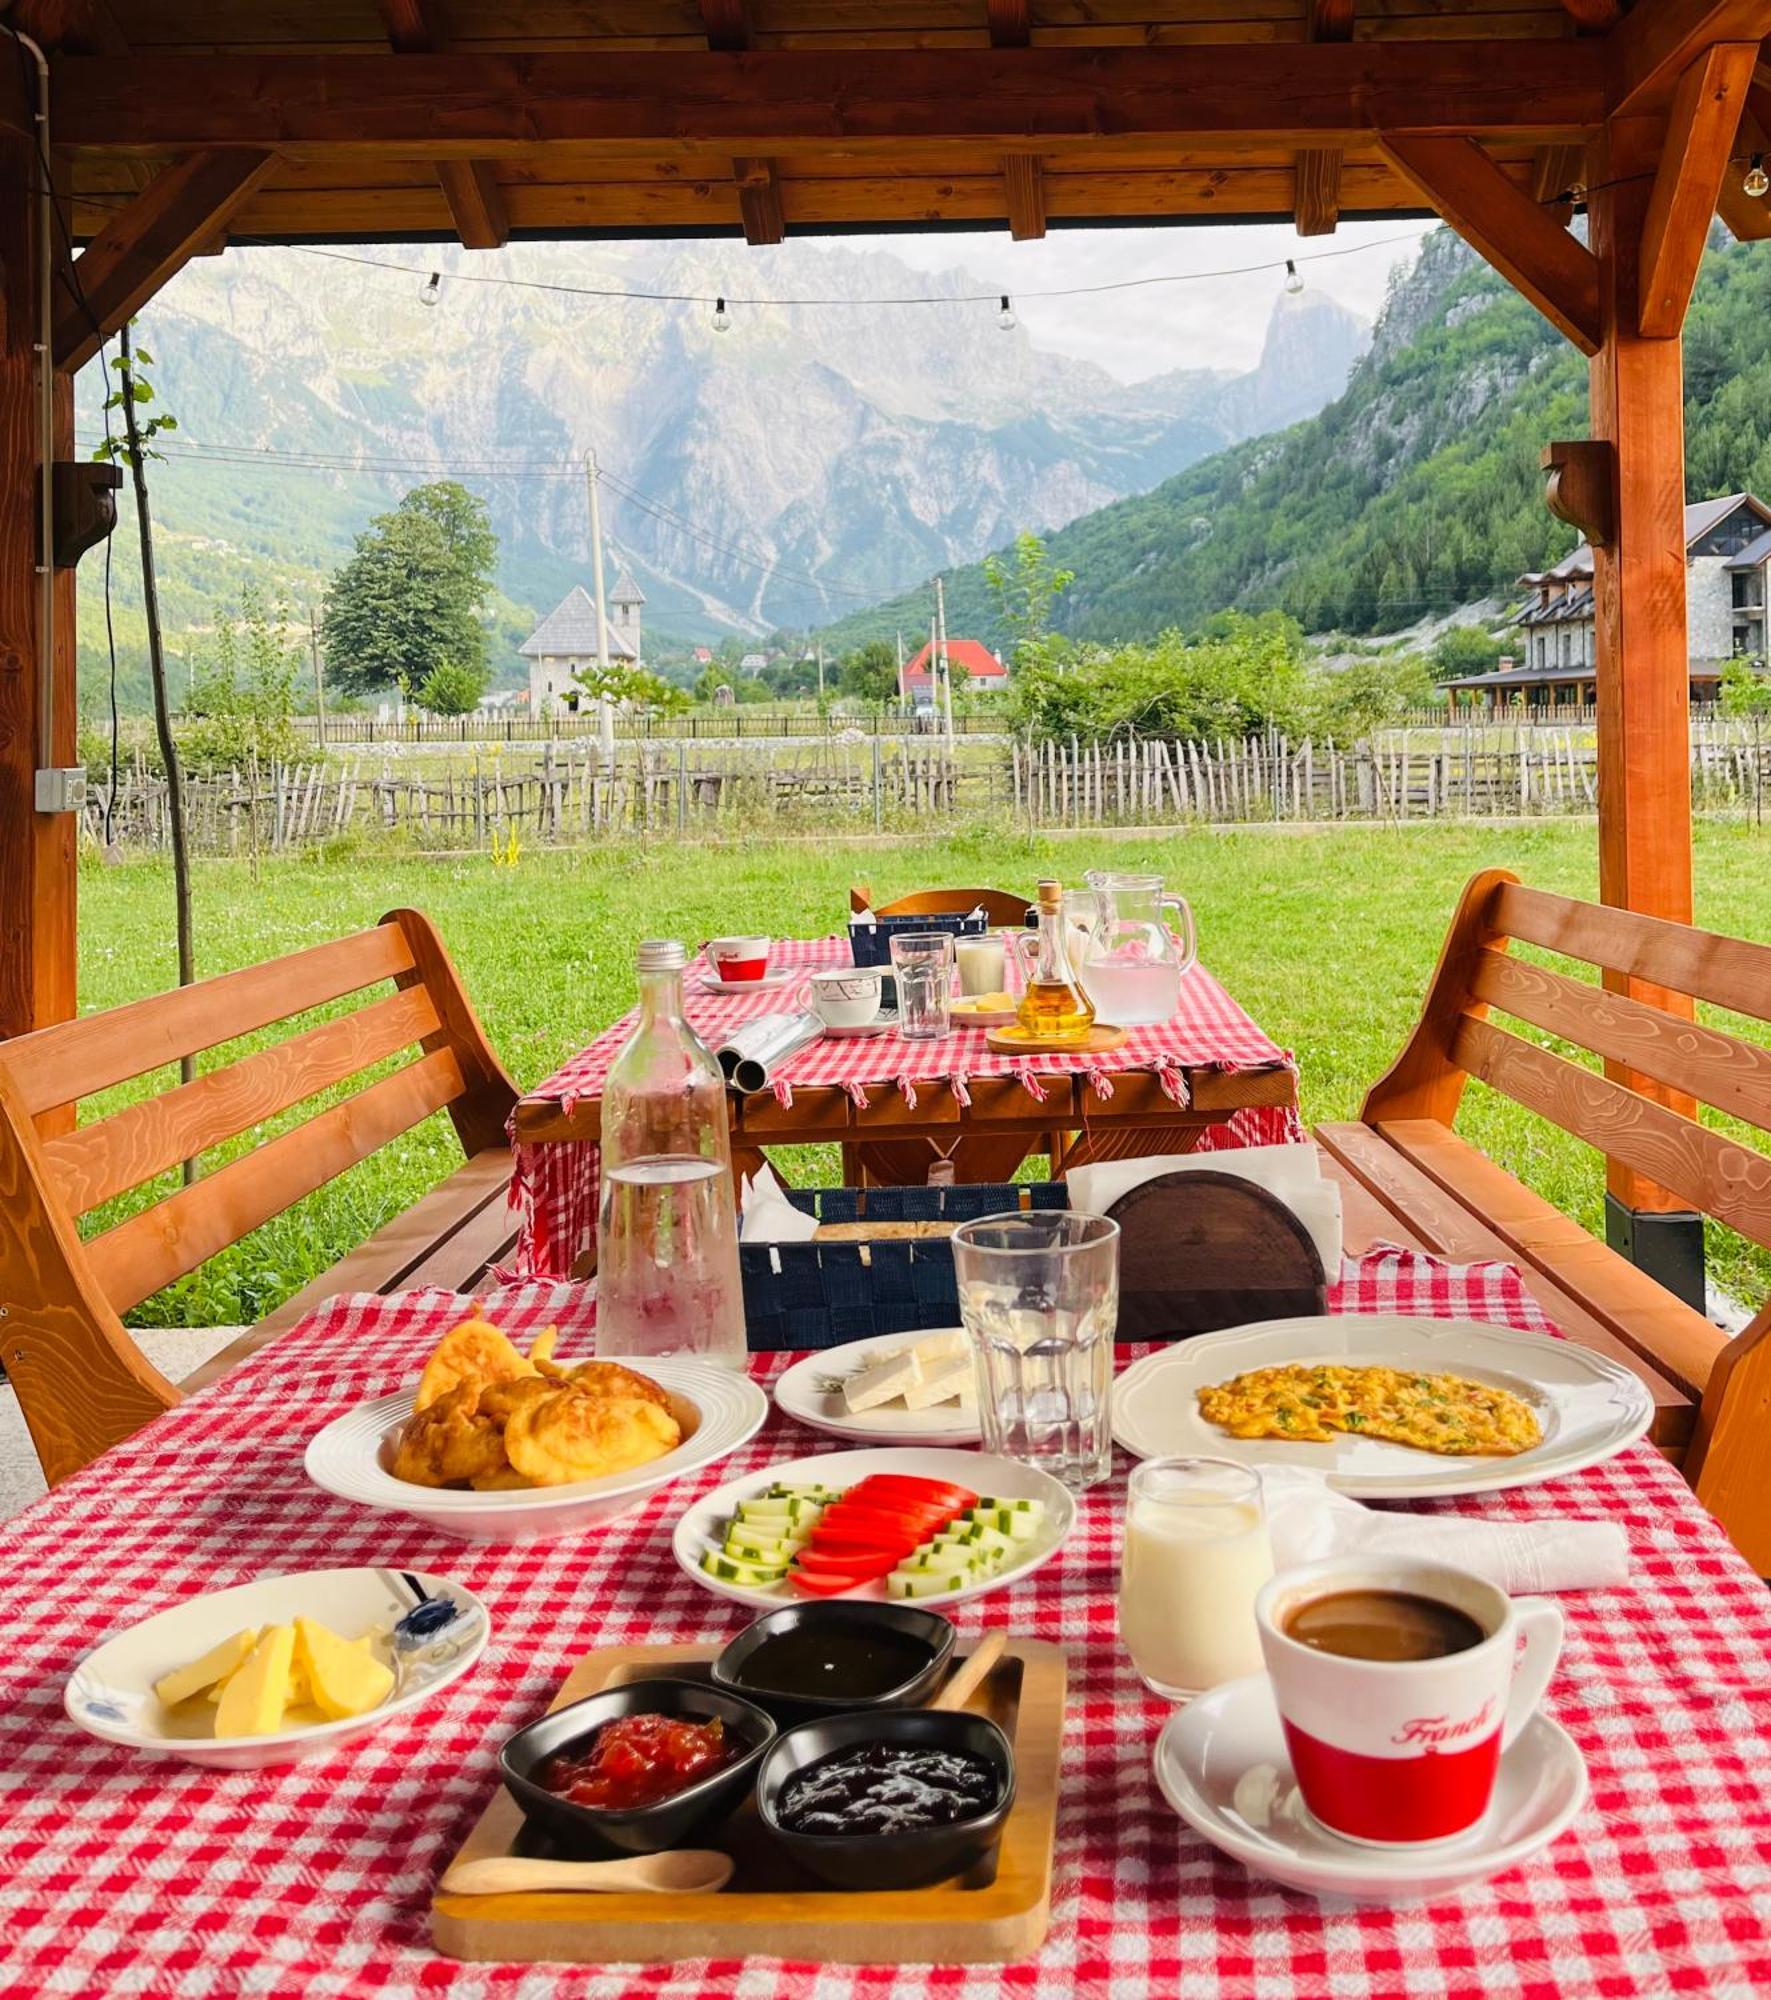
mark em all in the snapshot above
pixel 849 1661
pixel 636 1760
pixel 887 1788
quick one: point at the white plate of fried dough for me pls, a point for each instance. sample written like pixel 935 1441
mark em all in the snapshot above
pixel 494 1445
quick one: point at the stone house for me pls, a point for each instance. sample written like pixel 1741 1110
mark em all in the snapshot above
pixel 563 645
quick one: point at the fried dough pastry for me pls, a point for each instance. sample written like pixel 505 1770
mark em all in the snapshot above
pixel 609 1378
pixel 449 1441
pixel 581 1433
pixel 475 1353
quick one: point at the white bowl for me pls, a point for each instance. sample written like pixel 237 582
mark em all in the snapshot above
pixel 352 1458
pixel 110 1694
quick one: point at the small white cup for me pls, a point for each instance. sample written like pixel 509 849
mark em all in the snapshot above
pixel 739 961
pixel 843 997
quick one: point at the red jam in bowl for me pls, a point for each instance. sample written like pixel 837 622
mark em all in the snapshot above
pixel 636 1760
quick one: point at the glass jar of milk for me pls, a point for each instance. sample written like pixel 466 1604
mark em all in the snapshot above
pixel 1196 1552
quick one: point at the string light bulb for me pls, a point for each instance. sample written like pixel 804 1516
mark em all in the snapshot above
pixel 1006 318
pixel 1294 278
pixel 722 320
pixel 432 289
pixel 1757 182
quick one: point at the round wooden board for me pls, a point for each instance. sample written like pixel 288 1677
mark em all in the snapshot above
pixel 1017 1042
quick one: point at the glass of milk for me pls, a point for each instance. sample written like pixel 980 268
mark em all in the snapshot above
pixel 1196 1552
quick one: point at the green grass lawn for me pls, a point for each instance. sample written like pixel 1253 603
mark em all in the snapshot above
pixel 1326 937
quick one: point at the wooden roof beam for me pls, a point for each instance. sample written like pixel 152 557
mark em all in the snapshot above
pixel 169 222
pixel 727 23
pixel 1023 181
pixel 759 200
pixel 1525 243
pixel 470 187
pixel 1011 23
pixel 1555 170
pixel 73 27
pixel 1657 43
pixel 1596 15
pixel 1316 172
pixel 414 27
pixel 481 105
pixel 1693 160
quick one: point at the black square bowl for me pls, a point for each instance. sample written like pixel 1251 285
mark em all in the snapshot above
pixel 928 1627
pixel 888 1860
pixel 670 1822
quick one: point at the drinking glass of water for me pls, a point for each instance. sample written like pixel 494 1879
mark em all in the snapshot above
pixel 1039 1294
pixel 922 964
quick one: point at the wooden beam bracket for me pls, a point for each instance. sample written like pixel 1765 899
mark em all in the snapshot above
pixel 1694 157
pixel 1316 197
pixel 1023 180
pixel 759 200
pixel 1580 486
pixel 476 203
pixel 1011 23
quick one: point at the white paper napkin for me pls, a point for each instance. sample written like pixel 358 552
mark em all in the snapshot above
pixel 1308 1521
pixel 1292 1173
pixel 768 1216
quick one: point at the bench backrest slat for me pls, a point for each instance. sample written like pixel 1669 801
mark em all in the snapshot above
pixel 1705 1063
pixel 76 1059
pixel 105 1159
pixel 143 1255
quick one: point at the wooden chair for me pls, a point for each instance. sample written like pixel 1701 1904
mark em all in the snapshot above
pixel 81 1380
pixel 1406 1154
pixel 1001 906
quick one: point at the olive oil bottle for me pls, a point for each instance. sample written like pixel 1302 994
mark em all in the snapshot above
pixel 1053 1007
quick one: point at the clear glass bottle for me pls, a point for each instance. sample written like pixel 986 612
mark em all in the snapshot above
pixel 1053 1006
pixel 667 1224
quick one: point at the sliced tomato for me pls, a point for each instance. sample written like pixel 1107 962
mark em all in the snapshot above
pixel 822 1584
pixel 901 1490
pixel 848 1562
pixel 875 1521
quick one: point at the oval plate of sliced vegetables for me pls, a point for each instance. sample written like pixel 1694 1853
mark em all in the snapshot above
pixel 915 1526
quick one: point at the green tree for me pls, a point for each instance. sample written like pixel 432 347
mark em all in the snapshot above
pixel 626 682
pixel 1746 692
pixel 870 672
pixel 1464 649
pixel 243 698
pixel 1026 585
pixel 408 599
pixel 450 688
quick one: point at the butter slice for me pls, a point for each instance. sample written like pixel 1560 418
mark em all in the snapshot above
pixel 215 1665
pixel 946 1346
pixel 255 1698
pixel 897 1375
pixel 343 1679
pixel 941 1384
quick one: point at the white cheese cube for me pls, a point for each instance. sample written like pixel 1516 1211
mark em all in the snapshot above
pixel 948 1345
pixel 895 1376
pixel 941 1384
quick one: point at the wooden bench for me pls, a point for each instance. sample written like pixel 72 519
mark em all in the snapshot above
pixel 1713 1391
pixel 81 1380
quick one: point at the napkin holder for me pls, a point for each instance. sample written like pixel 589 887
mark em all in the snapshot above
pixel 1202 1250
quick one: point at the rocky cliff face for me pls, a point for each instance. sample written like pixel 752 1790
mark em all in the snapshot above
pixel 806 462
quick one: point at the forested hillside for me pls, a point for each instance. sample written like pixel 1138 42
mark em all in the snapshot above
pixel 1416 492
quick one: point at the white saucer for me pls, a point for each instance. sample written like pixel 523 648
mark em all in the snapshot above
pixel 881 1024
pixel 770 982
pixel 1221 1764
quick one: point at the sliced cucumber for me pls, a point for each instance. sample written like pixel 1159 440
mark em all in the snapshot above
pixel 926 1583
pixel 756 1575
pixel 760 1549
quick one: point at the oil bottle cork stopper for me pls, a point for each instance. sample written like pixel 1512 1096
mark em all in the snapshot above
pixel 1051 895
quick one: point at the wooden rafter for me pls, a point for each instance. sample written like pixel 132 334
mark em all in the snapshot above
pixel 1316 192
pixel 1023 181
pixel 1597 15
pixel 727 23
pixel 1502 223
pixel 759 200
pixel 476 203
pixel 1011 23
pixel 481 105
pixel 169 222
pixel 72 27
pixel 1693 160
pixel 413 26
pixel 1555 170
pixel 1656 43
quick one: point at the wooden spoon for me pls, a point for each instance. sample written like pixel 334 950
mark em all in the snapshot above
pixel 687 1871
pixel 966 1679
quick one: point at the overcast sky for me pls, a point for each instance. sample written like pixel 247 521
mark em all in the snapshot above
pixel 1210 321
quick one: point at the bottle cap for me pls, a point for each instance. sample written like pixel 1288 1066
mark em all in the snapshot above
pixel 1051 895
pixel 662 955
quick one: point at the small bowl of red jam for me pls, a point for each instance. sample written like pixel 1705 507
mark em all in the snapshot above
pixel 637 1768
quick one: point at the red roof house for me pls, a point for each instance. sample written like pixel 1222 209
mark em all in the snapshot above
pixel 970 657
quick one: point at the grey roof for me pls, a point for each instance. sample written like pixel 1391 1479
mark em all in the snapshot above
pixel 1700 517
pixel 1753 554
pixel 626 591
pixel 1507 677
pixel 568 632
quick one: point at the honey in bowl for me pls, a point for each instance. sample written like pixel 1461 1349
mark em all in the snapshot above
pixel 1384 1625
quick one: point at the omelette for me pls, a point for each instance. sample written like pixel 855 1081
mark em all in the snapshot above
pixel 1312 1402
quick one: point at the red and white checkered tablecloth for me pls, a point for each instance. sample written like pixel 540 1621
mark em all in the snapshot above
pixel 555 1186
pixel 124 1876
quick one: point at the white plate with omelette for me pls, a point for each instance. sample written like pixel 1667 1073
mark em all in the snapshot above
pixel 280 1669
pixel 1520 1407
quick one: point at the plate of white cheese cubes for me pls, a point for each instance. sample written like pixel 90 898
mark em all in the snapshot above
pixel 902 1388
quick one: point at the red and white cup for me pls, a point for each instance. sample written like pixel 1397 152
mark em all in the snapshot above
pixel 739 960
pixel 1396 1752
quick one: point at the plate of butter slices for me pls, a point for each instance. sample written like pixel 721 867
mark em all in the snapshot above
pixel 901 1388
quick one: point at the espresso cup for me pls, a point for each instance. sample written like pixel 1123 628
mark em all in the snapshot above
pixel 845 997
pixel 1393 1752
pixel 738 960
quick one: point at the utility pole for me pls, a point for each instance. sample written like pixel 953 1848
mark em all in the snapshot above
pixel 943 686
pixel 605 707
pixel 902 697
pixel 313 643
pixel 820 671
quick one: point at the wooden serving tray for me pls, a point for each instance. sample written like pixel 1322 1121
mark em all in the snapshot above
pixel 995 1913
pixel 1018 1042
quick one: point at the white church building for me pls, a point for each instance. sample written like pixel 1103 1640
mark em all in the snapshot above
pixel 564 644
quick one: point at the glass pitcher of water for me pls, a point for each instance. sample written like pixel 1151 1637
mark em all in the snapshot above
pixel 1134 958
